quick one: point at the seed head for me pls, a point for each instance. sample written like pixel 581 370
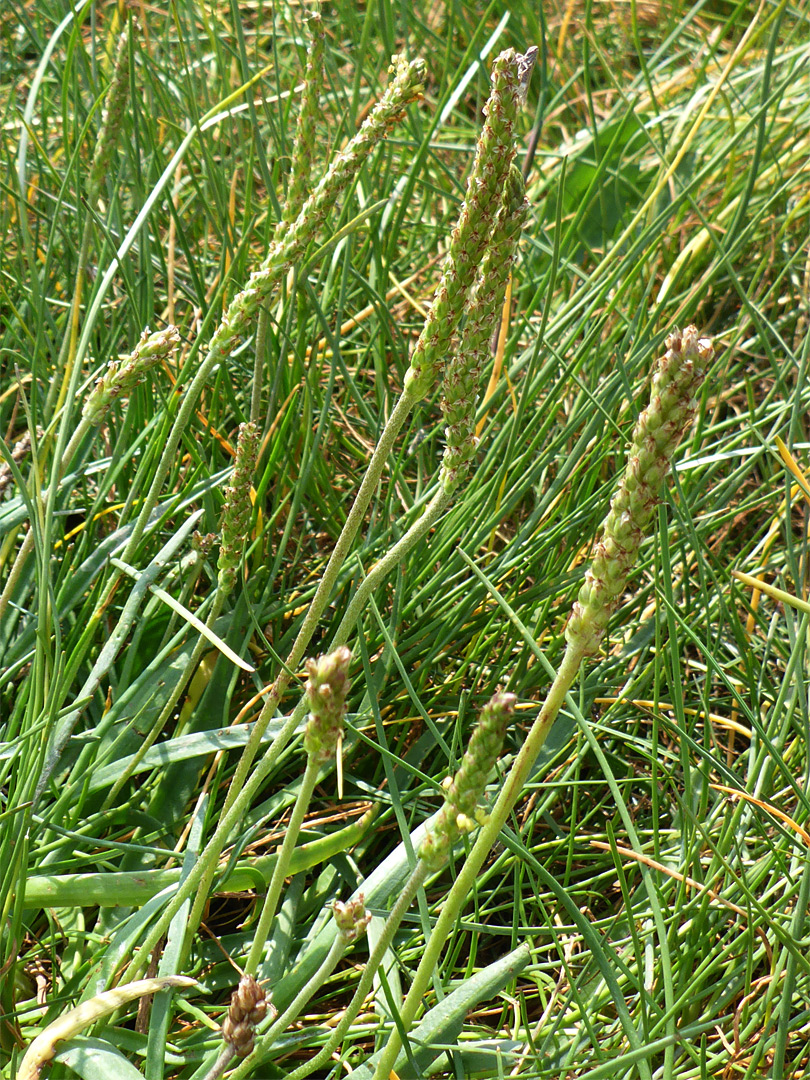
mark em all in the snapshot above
pixel 122 376
pixel 659 429
pixel 248 1008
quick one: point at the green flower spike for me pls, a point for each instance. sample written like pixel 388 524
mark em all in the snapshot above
pixel 304 146
pixel 463 372
pixel 471 236
pixel 658 431
pixel 111 118
pixel 407 86
pixel 237 509
pixel 463 793
pixel 327 689
pixel 122 376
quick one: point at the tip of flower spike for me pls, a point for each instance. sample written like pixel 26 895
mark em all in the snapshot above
pixel 411 74
pixel 691 344
pixel 327 688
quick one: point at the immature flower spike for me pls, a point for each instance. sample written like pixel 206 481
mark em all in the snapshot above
pixel 248 1008
pixel 494 155
pixel 658 431
pixel 237 509
pixel 122 376
pixel 327 689
pixel 464 792
pixel 351 918
pixel 463 371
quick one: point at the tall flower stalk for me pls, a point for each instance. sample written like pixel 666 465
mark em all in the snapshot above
pixel 676 381
pixel 326 692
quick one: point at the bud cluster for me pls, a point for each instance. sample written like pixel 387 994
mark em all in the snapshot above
pixel 327 689
pixel 351 918
pixel 248 1008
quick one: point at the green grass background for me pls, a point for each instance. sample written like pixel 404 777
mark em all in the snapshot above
pixel 666 149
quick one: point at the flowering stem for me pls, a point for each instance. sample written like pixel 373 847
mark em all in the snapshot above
pixel 405 87
pixel 395 916
pixel 381 569
pixel 656 435
pixel 221 1064
pixel 465 881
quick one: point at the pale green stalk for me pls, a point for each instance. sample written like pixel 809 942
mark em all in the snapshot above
pixel 470 242
pixel 466 878
pixel 461 798
pixel 327 689
pixel 460 391
pixel 282 867
pixel 655 438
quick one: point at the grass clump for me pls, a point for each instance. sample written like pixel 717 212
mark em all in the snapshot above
pixel 402 325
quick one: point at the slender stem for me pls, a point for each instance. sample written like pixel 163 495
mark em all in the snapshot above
pixel 433 511
pixel 281 868
pixel 221 1064
pixel 313 985
pixel 465 882
pixel 412 885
